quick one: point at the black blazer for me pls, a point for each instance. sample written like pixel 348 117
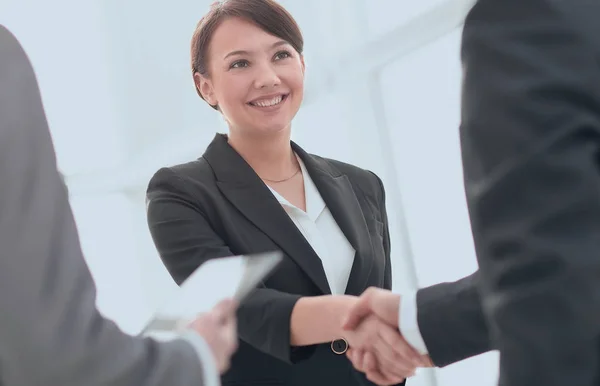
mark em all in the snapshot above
pixel 217 206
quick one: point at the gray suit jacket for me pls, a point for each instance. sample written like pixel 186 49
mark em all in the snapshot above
pixel 51 333
pixel 530 138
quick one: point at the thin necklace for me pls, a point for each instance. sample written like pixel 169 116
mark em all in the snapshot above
pixel 285 179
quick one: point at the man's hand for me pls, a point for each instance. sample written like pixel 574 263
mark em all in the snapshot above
pixel 393 358
pixel 366 362
pixel 374 301
pixel 381 369
pixel 219 329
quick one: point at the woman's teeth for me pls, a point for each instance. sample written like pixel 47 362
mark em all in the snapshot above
pixel 268 102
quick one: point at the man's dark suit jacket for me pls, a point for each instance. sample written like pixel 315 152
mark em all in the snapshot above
pixel 451 321
pixel 217 206
pixel 531 151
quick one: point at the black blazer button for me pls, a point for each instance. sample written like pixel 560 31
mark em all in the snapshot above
pixel 339 346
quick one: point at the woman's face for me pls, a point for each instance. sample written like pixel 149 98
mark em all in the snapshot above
pixel 255 78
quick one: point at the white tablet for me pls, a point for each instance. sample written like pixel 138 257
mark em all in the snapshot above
pixel 232 277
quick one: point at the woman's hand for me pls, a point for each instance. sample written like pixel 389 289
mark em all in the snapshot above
pixel 379 350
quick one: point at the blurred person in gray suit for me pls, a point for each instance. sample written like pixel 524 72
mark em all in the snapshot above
pixel 50 330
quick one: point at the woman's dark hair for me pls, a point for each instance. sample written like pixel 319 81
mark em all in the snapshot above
pixel 268 15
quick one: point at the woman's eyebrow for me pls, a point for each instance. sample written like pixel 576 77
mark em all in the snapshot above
pixel 243 52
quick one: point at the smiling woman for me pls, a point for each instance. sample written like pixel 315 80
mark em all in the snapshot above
pixel 254 190
pixel 247 63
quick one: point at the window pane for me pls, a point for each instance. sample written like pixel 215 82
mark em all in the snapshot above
pixel 385 15
pixel 107 233
pixel 422 104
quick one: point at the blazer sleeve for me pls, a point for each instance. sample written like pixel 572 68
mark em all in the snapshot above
pixel 387 278
pixel 185 239
pixel 50 330
pixel 452 322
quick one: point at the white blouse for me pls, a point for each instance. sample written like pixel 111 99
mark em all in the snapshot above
pixel 323 234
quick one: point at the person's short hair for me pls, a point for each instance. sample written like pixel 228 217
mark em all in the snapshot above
pixel 268 15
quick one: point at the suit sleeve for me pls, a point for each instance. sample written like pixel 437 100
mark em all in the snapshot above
pixel 387 278
pixel 50 330
pixel 185 240
pixel 387 274
pixel 531 144
pixel 451 321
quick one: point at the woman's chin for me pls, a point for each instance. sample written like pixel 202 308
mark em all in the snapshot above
pixel 269 128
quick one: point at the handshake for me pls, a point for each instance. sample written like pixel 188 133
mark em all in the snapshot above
pixel 376 346
pixel 370 327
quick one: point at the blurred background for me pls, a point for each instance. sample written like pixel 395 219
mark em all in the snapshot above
pixel 382 92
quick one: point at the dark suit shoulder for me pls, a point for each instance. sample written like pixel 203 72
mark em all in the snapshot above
pixel 178 176
pixel 197 170
pixel 365 179
pixel 191 183
pixel 367 186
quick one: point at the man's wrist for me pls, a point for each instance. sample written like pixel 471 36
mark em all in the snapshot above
pixel 408 323
pixel 206 357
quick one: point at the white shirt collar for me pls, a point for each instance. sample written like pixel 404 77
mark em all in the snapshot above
pixel 314 202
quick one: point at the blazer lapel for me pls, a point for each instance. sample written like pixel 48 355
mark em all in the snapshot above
pixel 245 190
pixel 340 198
